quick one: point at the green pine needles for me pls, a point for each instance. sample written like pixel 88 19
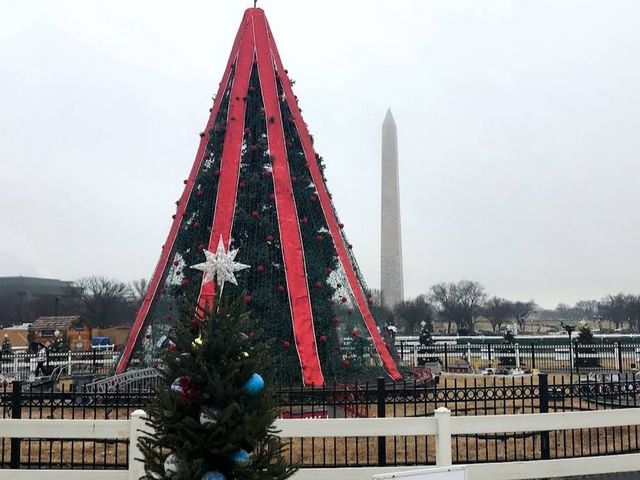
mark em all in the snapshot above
pixel 212 420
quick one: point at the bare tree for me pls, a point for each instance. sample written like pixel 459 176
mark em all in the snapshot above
pixel 521 311
pixel 411 313
pixel 382 314
pixel 106 302
pixel 497 311
pixel 139 288
pixel 458 303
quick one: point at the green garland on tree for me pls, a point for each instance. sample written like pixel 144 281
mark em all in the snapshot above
pixel 214 421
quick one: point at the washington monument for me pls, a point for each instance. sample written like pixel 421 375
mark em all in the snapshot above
pixel 392 284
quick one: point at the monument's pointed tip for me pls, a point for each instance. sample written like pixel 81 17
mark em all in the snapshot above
pixel 388 118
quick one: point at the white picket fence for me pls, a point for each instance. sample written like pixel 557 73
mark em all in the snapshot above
pixel 442 425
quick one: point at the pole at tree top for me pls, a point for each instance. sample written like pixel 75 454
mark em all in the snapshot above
pixel 254 3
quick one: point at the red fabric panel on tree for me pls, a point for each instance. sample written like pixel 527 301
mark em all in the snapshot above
pixel 230 165
pixel 166 255
pixel 332 221
pixel 290 239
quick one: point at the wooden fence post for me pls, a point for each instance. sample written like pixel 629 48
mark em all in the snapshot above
pixel 136 464
pixel 443 437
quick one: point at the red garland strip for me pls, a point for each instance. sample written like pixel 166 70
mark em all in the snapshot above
pixel 167 249
pixel 332 221
pixel 230 164
pixel 290 238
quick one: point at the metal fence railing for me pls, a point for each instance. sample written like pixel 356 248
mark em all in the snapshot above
pixel 22 365
pixel 550 358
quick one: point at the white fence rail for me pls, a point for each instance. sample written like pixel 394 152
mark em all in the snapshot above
pixel 443 426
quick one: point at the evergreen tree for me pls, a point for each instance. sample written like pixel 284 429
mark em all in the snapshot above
pixel 61 343
pixel 508 340
pixel 426 341
pixel 589 358
pixel 271 196
pixel 214 421
pixel 6 345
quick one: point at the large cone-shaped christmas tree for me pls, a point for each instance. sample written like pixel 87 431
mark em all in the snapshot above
pixel 258 186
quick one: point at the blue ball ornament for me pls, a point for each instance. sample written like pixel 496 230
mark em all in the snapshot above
pixel 240 458
pixel 254 385
pixel 213 475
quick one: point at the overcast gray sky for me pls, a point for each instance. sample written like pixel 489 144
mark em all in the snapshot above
pixel 519 131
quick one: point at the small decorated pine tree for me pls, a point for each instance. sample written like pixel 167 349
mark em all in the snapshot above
pixel 212 421
pixel 61 343
pixel 586 354
pixel 508 340
pixel 426 341
pixel 6 345
pixel 7 351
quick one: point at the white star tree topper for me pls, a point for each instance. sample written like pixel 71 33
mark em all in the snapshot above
pixel 220 266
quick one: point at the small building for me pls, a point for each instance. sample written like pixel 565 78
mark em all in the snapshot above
pixel 461 365
pixel 74 327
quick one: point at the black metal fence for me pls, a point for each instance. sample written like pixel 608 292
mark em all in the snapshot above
pixel 550 358
pixel 463 396
pixel 468 395
pixel 23 365
pixel 18 400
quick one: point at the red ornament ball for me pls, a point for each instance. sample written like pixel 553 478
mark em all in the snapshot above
pixel 185 281
pixel 305 220
pixel 312 198
pixel 281 288
pixel 329 270
pixel 318 284
pixel 336 320
pixel 201 247
pixel 269 238
pixel 272 196
pixel 252 334
pixel 323 338
pixel 172 346
pixel 253 148
pixel 398 356
pixel 196 225
pixel 341 225
pixel 216 172
pixel 317 156
pixel 247 299
pixel 343 299
pixel 319 238
pixel 199 193
pixel 346 362
pixel 254 214
pixel 370 301
pixel 176 263
pixel 242 185
pixel 350 247
pixel 185 181
pixel 354 333
pixel 169 317
pixel 247 130
pixel 173 216
pixel 260 268
pixel 294 179
pixel 266 173
pixel 286 344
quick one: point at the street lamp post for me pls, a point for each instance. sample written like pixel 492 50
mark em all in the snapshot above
pixel 569 329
